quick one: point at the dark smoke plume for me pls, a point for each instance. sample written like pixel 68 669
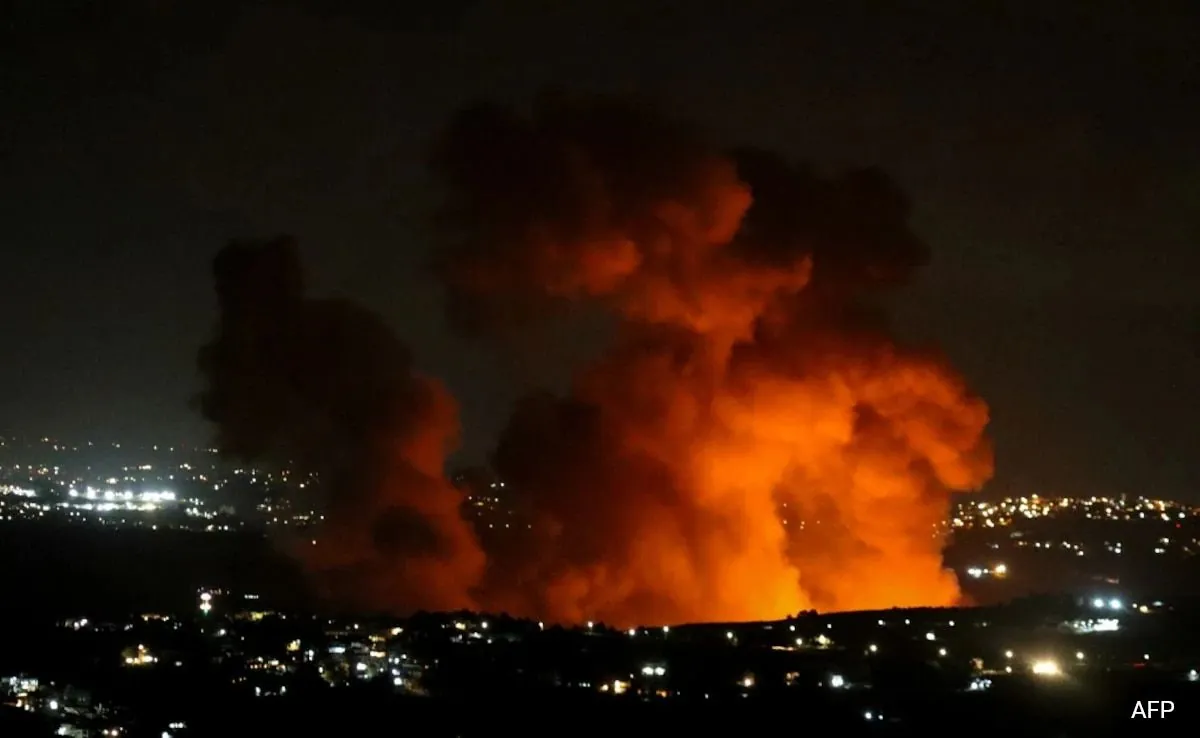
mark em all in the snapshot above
pixel 752 443
pixel 325 386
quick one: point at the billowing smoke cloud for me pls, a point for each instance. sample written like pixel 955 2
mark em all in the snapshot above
pixel 752 443
pixel 325 386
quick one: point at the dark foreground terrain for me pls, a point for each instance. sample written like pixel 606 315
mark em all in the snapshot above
pixel 1097 711
pixel 51 572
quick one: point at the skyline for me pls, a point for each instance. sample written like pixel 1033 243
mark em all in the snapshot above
pixel 1055 205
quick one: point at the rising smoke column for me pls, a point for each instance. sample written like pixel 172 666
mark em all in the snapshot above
pixel 325 386
pixel 752 443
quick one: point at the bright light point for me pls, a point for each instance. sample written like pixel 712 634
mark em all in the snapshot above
pixel 483 625
pixel 205 597
pixel 748 682
pixel 868 715
pixel 591 625
pixel 799 641
pixel 647 670
pixel 659 671
pixel 398 682
pixel 729 635
pixel 632 632
pixel 907 621
pixel 951 623
pixel 1079 655
pixel 1046 667
pixel 205 607
pixel 666 629
pixel 837 681
pixel 941 652
pixel 1008 654
pixel 872 648
pixel 1145 657
pixel 1114 604
pixel 1000 570
pixel 930 636
pixel 541 625
pixel 53 704
pixel 1098 603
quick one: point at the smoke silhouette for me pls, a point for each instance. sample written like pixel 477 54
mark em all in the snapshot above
pixel 325 386
pixel 752 443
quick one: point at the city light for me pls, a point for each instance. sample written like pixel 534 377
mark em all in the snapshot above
pixel 353 651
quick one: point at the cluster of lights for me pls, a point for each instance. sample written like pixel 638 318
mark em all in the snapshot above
pixel 110 495
pixel 617 686
pixel 141 657
pixel 1009 510
pixel 8 489
pixel 999 571
pixel 1099 625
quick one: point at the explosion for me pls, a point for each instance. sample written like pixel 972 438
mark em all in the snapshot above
pixel 752 443
pixel 325 387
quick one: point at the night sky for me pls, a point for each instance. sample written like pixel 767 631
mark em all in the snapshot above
pixel 1052 156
